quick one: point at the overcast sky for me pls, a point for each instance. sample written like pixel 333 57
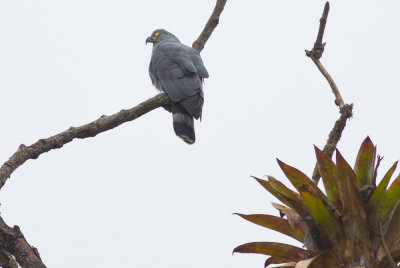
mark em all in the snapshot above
pixel 137 196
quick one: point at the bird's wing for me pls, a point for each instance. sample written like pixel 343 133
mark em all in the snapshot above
pixel 172 68
pixel 198 62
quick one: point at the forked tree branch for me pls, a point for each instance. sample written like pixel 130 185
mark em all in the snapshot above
pixel 345 109
pixel 11 239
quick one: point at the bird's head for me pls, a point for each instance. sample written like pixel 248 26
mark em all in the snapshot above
pixel 160 35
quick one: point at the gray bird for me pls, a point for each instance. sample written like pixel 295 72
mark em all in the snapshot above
pixel 178 70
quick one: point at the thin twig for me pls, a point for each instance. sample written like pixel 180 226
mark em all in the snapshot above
pixel 210 26
pixel 316 53
pixel 345 109
pixel 338 98
pixel 379 160
pixel 385 247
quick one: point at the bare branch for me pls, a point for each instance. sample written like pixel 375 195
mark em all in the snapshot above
pixel 102 124
pixel 318 48
pixel 13 241
pixel 210 26
pixel 338 98
pixel 345 109
pixel 334 136
pixel 322 24
pixel 316 53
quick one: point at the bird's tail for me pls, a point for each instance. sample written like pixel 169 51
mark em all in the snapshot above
pixel 183 124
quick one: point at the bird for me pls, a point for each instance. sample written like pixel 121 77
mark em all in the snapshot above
pixel 178 70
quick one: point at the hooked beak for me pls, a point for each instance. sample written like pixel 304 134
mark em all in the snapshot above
pixel 149 40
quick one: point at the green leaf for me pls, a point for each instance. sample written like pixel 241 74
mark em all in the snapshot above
pixel 275 223
pixel 391 201
pixel 327 170
pixel 299 179
pixel 365 163
pixel 374 206
pixel 326 221
pixel 295 176
pixel 354 217
pixel 284 194
pixel 281 188
pixel 280 250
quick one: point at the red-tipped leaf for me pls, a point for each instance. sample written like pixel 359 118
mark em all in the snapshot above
pixel 280 250
pixel 284 194
pixel 272 222
pixel 298 179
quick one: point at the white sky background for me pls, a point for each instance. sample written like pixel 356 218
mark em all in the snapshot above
pixel 137 196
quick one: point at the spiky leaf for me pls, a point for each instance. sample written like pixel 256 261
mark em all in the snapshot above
pixel 365 163
pixel 391 200
pixel 393 231
pixel 275 260
pixel 280 250
pixel 274 223
pixel 284 194
pixel 354 218
pixel 375 202
pixel 324 218
pixel 298 179
pixel 327 170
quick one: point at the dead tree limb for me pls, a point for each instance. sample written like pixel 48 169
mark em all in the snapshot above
pixel 102 124
pixel 11 239
pixel 345 109
pixel 14 242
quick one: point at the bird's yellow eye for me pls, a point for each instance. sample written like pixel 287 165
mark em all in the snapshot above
pixel 156 34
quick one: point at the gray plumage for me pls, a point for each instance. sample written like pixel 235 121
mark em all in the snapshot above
pixel 178 70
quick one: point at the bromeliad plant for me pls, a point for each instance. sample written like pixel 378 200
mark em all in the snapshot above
pixel 356 224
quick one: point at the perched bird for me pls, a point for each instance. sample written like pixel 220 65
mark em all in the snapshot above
pixel 178 70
